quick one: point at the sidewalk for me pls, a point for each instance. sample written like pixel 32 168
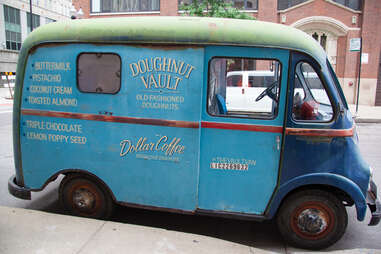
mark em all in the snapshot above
pixel 5 102
pixel 28 231
pixel 366 114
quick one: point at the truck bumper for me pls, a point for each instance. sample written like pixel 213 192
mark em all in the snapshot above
pixel 17 190
pixel 374 204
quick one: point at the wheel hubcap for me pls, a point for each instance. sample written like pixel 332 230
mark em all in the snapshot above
pixel 312 221
pixel 84 199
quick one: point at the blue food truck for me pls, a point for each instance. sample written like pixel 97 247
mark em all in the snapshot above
pixel 234 118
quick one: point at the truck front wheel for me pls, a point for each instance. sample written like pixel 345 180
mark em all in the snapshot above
pixel 312 219
pixel 83 196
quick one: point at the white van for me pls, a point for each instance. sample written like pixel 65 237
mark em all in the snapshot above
pixel 243 87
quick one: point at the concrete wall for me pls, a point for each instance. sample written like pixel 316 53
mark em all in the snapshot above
pixel 8 60
pixel 60 11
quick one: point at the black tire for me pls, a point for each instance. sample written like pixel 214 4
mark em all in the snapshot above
pixel 312 219
pixel 83 196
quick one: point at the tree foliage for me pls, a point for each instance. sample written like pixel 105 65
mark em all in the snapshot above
pixel 213 8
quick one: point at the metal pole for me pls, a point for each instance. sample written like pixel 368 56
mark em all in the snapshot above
pixel 359 77
pixel 31 14
pixel 9 86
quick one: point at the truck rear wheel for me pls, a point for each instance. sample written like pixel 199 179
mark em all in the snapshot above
pixel 83 196
pixel 312 219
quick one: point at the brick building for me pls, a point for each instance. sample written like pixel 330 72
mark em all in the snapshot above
pixel 15 26
pixel 331 22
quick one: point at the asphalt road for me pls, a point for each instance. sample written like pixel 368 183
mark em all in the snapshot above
pixel 259 235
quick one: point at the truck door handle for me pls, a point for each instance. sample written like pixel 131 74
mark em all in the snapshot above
pixel 105 113
pixel 243 90
pixel 277 142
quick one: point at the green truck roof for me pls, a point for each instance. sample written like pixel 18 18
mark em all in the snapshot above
pixel 176 30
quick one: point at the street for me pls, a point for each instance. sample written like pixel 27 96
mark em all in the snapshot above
pixel 259 235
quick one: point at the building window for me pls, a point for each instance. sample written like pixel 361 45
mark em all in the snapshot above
pixel 35 20
pixel 323 41
pixel 124 5
pixel 185 2
pixel 353 4
pixel 321 38
pixel 245 4
pixel 48 20
pixel 239 4
pixel 13 40
pixel 315 36
pixel 328 42
pixel 12 28
pixel 285 4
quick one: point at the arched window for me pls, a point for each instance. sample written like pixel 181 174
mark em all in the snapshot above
pixel 328 42
pixel 321 38
pixel 315 36
pixel 323 41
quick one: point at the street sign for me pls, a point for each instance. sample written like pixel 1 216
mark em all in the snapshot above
pixel 364 58
pixel 355 44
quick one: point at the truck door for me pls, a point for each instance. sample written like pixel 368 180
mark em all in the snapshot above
pixel 311 129
pixel 240 151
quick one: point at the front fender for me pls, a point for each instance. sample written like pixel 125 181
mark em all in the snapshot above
pixel 329 179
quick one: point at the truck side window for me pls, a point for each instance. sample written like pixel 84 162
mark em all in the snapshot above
pixel 311 101
pixel 243 87
pixel 99 73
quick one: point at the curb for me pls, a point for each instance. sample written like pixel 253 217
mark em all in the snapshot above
pixel 367 120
